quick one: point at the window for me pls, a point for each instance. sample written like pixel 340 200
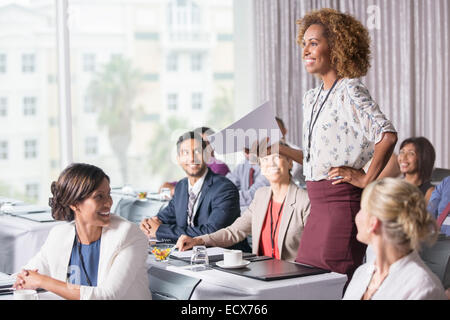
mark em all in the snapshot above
pixel 30 149
pixel 89 62
pixel 28 99
pixel 28 63
pixel 196 62
pixel 88 104
pixel 3 107
pixel 29 106
pixel 2 63
pixel 184 13
pixel 172 101
pixel 149 76
pixel 91 146
pixel 197 101
pixel 3 150
pixel 172 62
pixel 32 191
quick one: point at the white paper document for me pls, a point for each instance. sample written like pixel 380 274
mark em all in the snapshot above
pixel 257 125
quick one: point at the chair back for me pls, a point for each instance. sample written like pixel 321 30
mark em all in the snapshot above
pixel 169 285
pixel 437 258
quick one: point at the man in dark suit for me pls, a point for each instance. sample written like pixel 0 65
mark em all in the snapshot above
pixel 203 202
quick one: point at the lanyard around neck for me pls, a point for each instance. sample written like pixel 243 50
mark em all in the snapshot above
pixel 78 244
pixel 311 123
pixel 272 231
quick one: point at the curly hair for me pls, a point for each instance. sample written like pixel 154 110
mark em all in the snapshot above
pixel 348 39
pixel 75 183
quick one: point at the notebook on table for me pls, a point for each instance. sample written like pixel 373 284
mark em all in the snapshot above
pixel 273 269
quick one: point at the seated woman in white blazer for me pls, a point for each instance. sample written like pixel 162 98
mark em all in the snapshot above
pixel 96 255
pixel 275 218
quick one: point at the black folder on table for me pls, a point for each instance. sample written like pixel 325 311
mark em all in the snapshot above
pixel 273 269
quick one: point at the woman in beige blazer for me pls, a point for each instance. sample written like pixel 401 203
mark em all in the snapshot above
pixel 275 218
pixel 94 256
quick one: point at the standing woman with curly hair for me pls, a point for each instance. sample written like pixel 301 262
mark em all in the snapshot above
pixel 343 128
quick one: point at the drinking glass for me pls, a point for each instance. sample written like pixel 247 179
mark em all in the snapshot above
pixel 199 259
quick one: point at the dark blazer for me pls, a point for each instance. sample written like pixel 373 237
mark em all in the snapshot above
pixel 218 207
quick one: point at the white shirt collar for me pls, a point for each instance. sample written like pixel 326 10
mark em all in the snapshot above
pixel 198 185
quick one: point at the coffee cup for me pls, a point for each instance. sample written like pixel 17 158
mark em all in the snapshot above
pixel 25 294
pixel 232 257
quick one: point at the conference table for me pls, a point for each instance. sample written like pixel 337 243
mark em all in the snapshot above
pixel 219 285
pixel 21 238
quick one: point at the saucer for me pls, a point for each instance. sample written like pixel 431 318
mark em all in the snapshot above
pixel 238 266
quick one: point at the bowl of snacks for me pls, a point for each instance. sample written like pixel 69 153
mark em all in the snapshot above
pixel 142 195
pixel 162 251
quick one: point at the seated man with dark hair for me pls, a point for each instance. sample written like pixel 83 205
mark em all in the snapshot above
pixel 203 202
pixel 215 165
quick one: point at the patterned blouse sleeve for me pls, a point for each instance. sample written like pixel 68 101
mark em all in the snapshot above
pixel 373 123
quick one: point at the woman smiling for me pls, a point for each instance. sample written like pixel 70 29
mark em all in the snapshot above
pixel 343 128
pixel 96 255
pixel 416 161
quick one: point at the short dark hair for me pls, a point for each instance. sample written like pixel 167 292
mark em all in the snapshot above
pixel 75 183
pixel 204 129
pixel 190 135
pixel 426 155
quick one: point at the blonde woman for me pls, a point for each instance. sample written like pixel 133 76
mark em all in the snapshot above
pixel 393 219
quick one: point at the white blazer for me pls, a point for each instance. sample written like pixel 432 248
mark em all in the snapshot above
pixel 122 269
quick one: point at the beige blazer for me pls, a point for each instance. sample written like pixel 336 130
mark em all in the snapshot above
pixel 122 269
pixel 295 212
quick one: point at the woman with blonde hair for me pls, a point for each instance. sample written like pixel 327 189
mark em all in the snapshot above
pixel 393 219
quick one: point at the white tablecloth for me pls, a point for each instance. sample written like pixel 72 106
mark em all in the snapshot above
pixel 219 285
pixel 20 240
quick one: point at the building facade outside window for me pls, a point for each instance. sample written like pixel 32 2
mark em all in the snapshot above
pixel 28 63
pixel 3 107
pixel 2 63
pixel 91 146
pixel 172 101
pixel 3 150
pixel 29 106
pixel 197 101
pixel 30 149
pixel 32 191
pixel 89 61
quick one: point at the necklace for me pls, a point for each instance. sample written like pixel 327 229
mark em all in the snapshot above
pixel 272 231
pixel 78 244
